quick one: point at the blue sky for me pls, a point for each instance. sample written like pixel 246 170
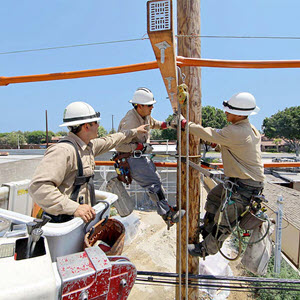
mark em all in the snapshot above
pixel 35 24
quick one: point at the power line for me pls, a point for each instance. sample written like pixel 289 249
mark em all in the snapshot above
pixel 72 46
pixel 146 38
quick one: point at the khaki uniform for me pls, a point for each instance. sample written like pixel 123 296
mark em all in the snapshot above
pixel 241 155
pixel 240 148
pixel 133 120
pixel 52 183
pixel 142 169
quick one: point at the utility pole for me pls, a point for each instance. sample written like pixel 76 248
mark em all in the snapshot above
pixel 188 45
pixel 46 129
pixel 112 124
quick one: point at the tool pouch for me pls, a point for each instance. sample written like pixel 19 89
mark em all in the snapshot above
pixel 122 167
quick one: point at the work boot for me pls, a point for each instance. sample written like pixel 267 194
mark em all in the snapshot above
pixel 197 250
pixel 172 217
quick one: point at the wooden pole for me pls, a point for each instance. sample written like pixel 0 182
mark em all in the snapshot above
pixel 188 23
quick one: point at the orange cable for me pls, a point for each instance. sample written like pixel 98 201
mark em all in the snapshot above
pixel 79 74
pixel 219 165
pixel 181 61
pixel 255 64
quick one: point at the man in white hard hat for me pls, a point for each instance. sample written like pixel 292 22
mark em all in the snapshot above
pixel 135 152
pixel 241 154
pixel 63 182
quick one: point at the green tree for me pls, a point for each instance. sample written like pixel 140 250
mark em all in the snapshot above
pixel 155 134
pixel 285 125
pixel 15 139
pixel 277 142
pixel 213 117
pixel 3 138
pixel 165 134
pixel 61 133
pixel 12 139
pixel 112 131
pixel 38 136
pixel 101 131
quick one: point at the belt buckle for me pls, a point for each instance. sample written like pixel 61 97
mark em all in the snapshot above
pixel 137 154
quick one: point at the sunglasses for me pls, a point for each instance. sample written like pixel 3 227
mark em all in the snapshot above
pixel 149 105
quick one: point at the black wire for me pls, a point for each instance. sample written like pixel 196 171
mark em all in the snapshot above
pixel 146 38
pixel 223 287
pixel 221 278
pixel 72 46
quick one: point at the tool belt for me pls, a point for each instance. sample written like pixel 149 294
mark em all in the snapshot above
pixel 122 167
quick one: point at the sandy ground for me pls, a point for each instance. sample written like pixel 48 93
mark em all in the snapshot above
pixel 154 249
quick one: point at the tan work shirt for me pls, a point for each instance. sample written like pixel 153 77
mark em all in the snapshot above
pixel 52 183
pixel 132 120
pixel 240 148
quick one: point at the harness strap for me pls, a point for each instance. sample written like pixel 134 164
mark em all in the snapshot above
pixel 80 179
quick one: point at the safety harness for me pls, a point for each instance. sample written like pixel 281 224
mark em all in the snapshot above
pixel 252 217
pixel 80 180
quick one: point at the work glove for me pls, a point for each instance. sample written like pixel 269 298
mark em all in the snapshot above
pixel 174 121
pixel 145 148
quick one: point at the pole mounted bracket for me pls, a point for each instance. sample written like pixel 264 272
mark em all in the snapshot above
pixel 162 47
pixel 161 34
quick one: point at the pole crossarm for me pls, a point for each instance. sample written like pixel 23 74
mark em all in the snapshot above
pixel 162 38
pixel 243 64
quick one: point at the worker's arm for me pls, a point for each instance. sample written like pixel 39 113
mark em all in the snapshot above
pixel 155 124
pixel 222 136
pixel 218 136
pixel 102 145
pixel 50 174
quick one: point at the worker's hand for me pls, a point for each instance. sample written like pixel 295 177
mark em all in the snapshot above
pixel 85 212
pixel 143 128
pixel 175 120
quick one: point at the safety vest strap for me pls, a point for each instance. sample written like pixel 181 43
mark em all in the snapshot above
pixel 80 179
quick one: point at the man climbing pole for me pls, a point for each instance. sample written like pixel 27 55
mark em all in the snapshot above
pixel 63 182
pixel 137 152
pixel 240 148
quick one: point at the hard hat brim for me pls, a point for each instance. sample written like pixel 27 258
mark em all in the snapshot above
pixel 78 122
pixel 241 112
pixel 146 103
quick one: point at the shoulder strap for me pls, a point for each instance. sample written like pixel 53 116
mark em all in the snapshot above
pixel 79 162
pixel 77 183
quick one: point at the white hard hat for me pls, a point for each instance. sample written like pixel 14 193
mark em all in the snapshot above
pixel 241 104
pixel 77 113
pixel 143 96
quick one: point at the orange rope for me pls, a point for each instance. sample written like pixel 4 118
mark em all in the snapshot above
pixel 181 61
pixel 79 74
pixel 255 64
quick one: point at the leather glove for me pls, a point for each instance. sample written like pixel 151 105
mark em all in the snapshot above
pixel 174 121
